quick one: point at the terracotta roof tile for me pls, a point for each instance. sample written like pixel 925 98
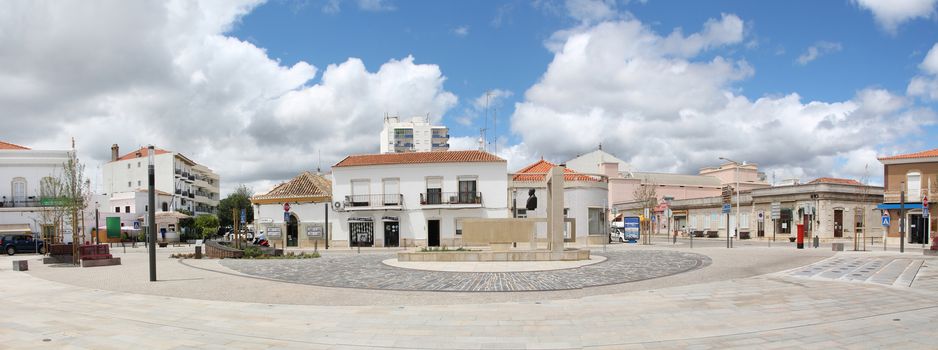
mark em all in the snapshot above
pixel 834 180
pixel 419 157
pixel 141 153
pixel 10 146
pixel 538 171
pixel 923 154
pixel 304 185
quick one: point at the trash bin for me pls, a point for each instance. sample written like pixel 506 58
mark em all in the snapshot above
pixel 800 238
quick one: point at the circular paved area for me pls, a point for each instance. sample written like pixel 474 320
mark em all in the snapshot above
pixel 368 272
pixel 493 266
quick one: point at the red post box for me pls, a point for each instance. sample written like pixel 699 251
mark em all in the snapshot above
pixel 800 239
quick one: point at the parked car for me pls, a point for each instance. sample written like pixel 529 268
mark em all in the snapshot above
pixel 13 244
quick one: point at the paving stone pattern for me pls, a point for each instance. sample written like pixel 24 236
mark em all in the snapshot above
pixel 368 272
pixel 899 272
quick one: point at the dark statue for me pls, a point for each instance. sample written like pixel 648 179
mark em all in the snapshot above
pixel 532 200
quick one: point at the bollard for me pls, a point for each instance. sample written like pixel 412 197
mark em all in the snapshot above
pixel 816 242
pixel 198 252
pixel 20 265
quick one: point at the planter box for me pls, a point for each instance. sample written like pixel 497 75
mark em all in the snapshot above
pixel 20 265
pixel 837 247
pixel 101 262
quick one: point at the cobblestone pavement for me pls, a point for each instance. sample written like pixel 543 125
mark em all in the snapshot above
pixel 368 272
pixel 889 270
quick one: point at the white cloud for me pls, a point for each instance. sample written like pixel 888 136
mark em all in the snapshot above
pixel 461 31
pixel 817 50
pixel 649 99
pixel 591 11
pixel 926 85
pixel 331 7
pixel 165 73
pixel 492 99
pixel 376 5
pixel 889 14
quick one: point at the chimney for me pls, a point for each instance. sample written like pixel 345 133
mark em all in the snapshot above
pixel 114 152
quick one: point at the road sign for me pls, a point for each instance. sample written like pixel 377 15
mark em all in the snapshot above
pixel 886 219
pixel 925 206
pixel 136 225
pixel 286 206
pixel 243 216
pixel 776 210
pixel 761 216
pixel 286 216
pixel 727 194
pixel 668 212
pixel 726 208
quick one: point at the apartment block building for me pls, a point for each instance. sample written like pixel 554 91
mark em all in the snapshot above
pixel 191 186
pixel 416 135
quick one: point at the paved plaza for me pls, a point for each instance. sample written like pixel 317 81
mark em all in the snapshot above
pixel 747 297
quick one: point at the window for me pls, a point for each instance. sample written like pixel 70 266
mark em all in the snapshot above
pixel 434 190
pixel 129 184
pixel 128 165
pixel 713 220
pixel 138 183
pixel 19 189
pixel 127 209
pixel 392 191
pixel 165 206
pixel 744 220
pixel 46 186
pixel 692 221
pixel 913 185
pixel 360 193
pixel 458 226
pixel 138 164
pixel 467 192
pixel 595 221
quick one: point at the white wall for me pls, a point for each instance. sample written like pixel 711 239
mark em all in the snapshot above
pixel 491 181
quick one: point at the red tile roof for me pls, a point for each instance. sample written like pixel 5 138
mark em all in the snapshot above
pixel 304 185
pixel 7 145
pixel 141 153
pixel 419 157
pixel 923 154
pixel 538 172
pixel 834 180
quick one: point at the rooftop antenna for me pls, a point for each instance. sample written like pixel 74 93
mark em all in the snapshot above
pixel 495 121
pixel 319 166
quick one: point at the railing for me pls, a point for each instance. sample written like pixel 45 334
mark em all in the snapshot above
pixel 178 191
pixel 374 200
pixel 191 177
pixel 178 171
pixel 185 193
pixel 435 198
pixel 893 196
pixel 191 194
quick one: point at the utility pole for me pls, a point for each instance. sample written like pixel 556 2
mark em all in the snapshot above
pixel 902 219
pixel 151 212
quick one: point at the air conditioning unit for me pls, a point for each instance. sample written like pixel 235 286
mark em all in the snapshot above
pixel 338 206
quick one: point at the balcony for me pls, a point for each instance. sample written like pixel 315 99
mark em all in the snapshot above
pixel 178 191
pixel 374 201
pixel 178 171
pixel 462 199
pixel 191 177
pixel 185 193
pixel 191 194
pixel 893 196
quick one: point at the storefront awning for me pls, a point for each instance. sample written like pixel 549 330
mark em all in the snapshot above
pixel 15 228
pixel 887 206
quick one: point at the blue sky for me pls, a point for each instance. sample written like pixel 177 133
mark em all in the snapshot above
pixel 504 43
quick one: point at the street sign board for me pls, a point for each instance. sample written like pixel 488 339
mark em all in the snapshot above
pixel 726 208
pixel 286 216
pixel 925 206
pixel 886 219
pixel 243 216
pixel 136 225
pixel 286 206
pixel 727 195
pixel 761 216
pixel 776 210
pixel 668 212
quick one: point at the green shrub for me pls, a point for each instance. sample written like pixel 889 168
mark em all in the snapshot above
pixel 251 252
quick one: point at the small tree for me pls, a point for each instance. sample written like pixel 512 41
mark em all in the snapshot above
pixel 52 196
pixel 647 197
pixel 207 225
pixel 240 198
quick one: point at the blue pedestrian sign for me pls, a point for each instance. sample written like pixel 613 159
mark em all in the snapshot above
pixel 726 208
pixel 243 216
pixel 886 220
pixel 136 225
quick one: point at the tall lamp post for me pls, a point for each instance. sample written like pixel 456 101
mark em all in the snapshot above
pixel 151 213
pixel 737 191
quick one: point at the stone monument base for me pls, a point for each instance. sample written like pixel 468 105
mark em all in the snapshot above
pixel 493 255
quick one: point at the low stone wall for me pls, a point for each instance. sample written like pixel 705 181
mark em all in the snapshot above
pixel 217 251
pixel 514 255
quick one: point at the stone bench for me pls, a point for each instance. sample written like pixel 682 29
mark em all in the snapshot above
pixel 20 265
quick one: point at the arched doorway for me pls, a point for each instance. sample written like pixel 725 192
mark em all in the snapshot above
pixel 292 231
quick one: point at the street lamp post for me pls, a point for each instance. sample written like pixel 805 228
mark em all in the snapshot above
pixel 151 213
pixel 737 164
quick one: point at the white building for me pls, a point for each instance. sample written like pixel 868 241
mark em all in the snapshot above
pixel 415 199
pixel 416 135
pixel 22 203
pixel 191 186
pixel 308 198
pixel 585 200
